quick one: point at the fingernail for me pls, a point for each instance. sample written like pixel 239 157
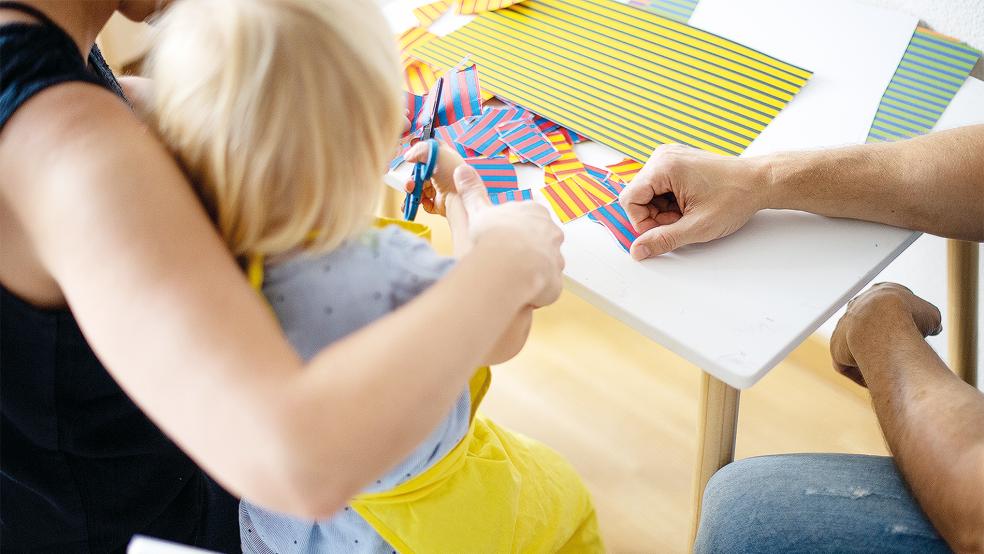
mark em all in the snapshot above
pixel 641 252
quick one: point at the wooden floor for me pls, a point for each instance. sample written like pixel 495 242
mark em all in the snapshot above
pixel 622 409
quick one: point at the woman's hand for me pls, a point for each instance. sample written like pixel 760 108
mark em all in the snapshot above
pixel 441 185
pixel 684 195
pixel 882 315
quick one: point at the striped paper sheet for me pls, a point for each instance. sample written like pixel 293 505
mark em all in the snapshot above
pixel 677 10
pixel 483 137
pixel 528 142
pixel 496 173
pixel 932 70
pixel 614 218
pixel 571 200
pixel 468 7
pixel 625 170
pixel 622 76
pixel 412 39
pixel 461 97
pixel 511 196
pixel 429 13
pixel 418 77
pixel 568 164
pixel 605 177
pixel 449 135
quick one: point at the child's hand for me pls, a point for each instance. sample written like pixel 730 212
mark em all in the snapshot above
pixel 441 185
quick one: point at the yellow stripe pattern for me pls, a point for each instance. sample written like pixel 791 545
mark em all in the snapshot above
pixel 625 170
pixel 429 13
pixel 621 76
pixel 410 40
pixel 470 7
pixel 568 164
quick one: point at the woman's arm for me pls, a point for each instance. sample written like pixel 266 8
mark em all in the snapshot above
pixel 168 312
pixel 933 422
pixel 932 183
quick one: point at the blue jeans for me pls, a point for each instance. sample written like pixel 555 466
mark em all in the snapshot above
pixel 813 503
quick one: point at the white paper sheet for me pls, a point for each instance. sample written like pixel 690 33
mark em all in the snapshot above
pixel 852 49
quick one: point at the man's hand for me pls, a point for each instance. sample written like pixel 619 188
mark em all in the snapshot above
pixel 883 312
pixel 684 195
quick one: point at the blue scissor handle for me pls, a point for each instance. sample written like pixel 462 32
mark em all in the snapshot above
pixel 422 172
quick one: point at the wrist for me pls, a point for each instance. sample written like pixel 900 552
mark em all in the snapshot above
pixel 875 341
pixel 771 173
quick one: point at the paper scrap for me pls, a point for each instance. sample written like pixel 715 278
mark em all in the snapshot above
pixel 932 70
pixel 461 97
pixel 570 200
pixel 528 142
pixel 614 218
pixel 449 135
pixel 625 170
pixel 567 164
pixel 496 173
pixel 418 77
pixel 605 178
pixel 593 188
pixel 511 196
pixel 622 76
pixel 482 136
pixel 429 13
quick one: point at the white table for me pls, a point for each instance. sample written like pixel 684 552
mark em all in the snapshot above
pixel 738 306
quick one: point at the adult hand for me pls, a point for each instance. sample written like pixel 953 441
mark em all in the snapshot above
pixel 684 196
pixel 521 234
pixel 884 312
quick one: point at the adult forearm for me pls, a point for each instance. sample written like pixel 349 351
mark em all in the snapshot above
pixel 933 424
pixel 390 384
pixel 933 183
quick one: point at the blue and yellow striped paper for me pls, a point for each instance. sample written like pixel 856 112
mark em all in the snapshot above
pixel 677 10
pixel 931 72
pixel 622 76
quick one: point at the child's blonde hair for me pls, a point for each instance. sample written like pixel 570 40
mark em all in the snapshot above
pixel 283 113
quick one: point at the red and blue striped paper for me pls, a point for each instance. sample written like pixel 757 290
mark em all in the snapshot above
pixel 528 142
pixel 497 173
pixel 614 218
pixel 483 137
pixel 511 196
pixel 461 97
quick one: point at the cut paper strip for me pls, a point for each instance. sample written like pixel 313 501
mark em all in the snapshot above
pixel 569 200
pixel 528 142
pixel 513 157
pixel 450 135
pixel 399 159
pixel 932 70
pixel 625 170
pixel 622 76
pixel 597 191
pixel 471 7
pixel 415 104
pixel 429 13
pixel 677 10
pixel 412 39
pixel 418 77
pixel 545 125
pixel 495 172
pixel 614 218
pixel 604 177
pixel 461 97
pixel 483 137
pixel 567 164
pixel 511 196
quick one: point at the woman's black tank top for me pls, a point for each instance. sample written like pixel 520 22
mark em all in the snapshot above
pixel 81 468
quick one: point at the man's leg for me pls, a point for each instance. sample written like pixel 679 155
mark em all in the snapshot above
pixel 813 503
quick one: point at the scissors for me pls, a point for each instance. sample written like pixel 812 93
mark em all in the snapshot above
pixel 422 172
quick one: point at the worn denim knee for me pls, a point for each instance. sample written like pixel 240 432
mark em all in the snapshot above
pixel 813 503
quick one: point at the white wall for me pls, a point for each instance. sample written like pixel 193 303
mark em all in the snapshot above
pixel 963 19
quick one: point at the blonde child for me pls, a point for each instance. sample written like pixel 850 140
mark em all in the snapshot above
pixel 284 114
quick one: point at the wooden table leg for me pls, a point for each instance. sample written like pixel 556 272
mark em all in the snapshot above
pixel 962 306
pixel 717 423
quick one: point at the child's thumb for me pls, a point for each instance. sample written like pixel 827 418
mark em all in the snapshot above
pixel 470 187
